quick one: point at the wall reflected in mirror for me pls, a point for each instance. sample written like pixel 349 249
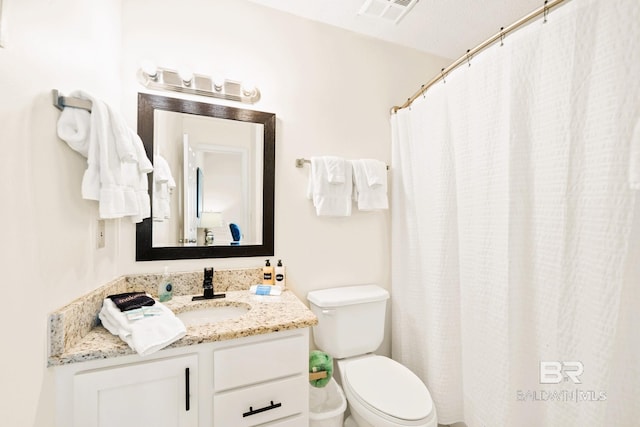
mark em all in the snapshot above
pixel 207 185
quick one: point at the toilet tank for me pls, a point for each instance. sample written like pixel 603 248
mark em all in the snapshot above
pixel 350 319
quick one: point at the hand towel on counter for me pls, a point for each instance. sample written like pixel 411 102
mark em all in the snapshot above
pixel 116 162
pixel 145 335
pixel 370 196
pixel 329 199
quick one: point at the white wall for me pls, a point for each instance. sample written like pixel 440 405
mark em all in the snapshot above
pixel 331 91
pixel 48 254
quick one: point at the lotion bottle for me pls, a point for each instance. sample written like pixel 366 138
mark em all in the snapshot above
pixel 267 274
pixel 165 287
pixel 280 274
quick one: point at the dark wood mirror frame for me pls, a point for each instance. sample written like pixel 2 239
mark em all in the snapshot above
pixel 144 248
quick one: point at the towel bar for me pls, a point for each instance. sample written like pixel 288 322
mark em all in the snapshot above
pixel 60 102
pixel 300 162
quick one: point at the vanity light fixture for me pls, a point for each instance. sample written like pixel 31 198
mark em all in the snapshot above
pixel 197 84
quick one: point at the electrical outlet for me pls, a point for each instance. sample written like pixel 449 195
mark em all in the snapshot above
pixel 100 234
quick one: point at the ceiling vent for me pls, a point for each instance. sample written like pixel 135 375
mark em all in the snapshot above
pixel 388 10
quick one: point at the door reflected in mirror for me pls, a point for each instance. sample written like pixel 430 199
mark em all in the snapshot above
pixel 212 187
pixel 215 166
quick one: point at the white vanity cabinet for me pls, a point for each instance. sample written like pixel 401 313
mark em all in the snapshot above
pixel 261 382
pixel 161 393
pixel 249 381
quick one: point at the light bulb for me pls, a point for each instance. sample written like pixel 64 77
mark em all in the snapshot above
pixel 218 83
pixel 248 88
pixel 149 68
pixel 186 75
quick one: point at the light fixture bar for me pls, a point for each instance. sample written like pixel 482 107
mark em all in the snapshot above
pixel 197 84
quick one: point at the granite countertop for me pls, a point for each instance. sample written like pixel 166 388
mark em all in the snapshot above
pixel 266 314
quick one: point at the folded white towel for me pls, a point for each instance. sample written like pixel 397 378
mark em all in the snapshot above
pixel 634 159
pixel 145 335
pixel 370 196
pixel 329 199
pixel 335 169
pixel 376 171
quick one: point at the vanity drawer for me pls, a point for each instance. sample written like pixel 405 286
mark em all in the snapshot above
pixel 296 421
pixel 262 403
pixel 254 363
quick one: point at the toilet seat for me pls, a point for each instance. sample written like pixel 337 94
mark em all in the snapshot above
pixel 388 389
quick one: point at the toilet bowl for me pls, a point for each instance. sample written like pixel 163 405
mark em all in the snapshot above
pixel 383 393
pixel 380 392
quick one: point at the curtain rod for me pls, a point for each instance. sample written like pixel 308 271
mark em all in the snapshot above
pixel 543 10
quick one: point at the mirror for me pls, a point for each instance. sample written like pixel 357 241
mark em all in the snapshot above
pixel 212 188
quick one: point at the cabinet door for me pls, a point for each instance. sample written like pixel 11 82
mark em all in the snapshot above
pixel 161 393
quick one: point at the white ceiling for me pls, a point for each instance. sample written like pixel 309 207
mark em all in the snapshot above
pixel 445 28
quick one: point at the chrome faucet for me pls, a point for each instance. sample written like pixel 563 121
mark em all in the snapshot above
pixel 207 286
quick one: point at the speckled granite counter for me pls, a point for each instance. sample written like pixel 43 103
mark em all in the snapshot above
pixel 76 336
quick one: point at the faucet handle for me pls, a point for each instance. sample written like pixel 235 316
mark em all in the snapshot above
pixel 207 283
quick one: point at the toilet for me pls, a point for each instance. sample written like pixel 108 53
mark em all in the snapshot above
pixel 380 391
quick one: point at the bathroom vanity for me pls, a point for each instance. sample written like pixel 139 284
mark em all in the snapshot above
pixel 246 370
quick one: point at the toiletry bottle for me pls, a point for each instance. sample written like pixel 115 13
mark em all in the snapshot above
pixel 165 288
pixel 267 274
pixel 280 274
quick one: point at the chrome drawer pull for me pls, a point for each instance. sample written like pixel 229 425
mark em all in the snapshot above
pixel 257 411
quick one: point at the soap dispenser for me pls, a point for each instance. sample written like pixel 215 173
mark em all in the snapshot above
pixel 280 274
pixel 165 288
pixel 267 274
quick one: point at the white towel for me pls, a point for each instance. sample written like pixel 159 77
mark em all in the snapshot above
pixel 163 186
pixel 376 172
pixel 370 196
pixel 634 158
pixel 329 199
pixel 74 126
pixel 138 179
pixel 146 335
pixel 335 169
pixel 116 162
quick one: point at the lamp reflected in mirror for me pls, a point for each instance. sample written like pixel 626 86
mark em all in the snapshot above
pixel 209 221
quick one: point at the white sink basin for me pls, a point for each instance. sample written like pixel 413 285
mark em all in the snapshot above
pixel 213 314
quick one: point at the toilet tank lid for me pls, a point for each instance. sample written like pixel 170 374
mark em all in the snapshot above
pixel 347 295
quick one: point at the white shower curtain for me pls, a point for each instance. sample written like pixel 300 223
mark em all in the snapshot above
pixel 516 234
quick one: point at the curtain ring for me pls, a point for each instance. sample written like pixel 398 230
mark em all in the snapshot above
pixel 546 11
pixel 409 101
pixel 444 76
pixel 468 57
pixel 501 36
pixel 424 95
